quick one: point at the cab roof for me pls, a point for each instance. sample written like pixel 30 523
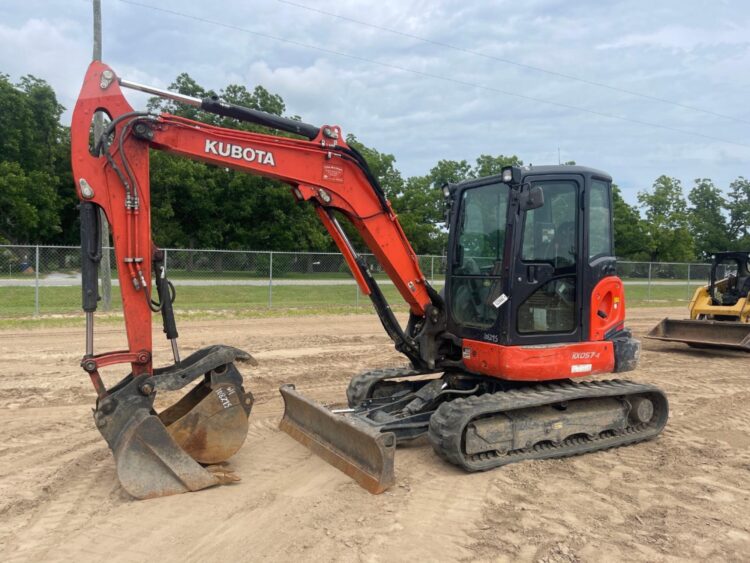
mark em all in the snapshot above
pixel 546 169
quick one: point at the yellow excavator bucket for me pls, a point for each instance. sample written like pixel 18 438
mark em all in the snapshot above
pixel 704 334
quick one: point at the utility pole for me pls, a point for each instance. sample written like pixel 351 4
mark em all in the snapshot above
pixel 105 270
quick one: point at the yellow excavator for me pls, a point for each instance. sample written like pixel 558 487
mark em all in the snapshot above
pixel 719 311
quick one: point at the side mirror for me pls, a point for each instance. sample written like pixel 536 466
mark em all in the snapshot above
pixel 533 198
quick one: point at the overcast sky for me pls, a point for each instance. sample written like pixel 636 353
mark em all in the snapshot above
pixel 427 100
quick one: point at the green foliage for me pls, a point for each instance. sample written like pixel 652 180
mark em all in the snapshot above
pixel 382 165
pixel 669 238
pixel 630 234
pixel 30 204
pixel 33 162
pixel 708 225
pixel 450 172
pixel 421 211
pixel 738 204
pixel 488 165
pixel 197 205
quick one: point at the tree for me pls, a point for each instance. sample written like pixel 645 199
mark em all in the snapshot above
pixel 382 165
pixel 450 172
pixel 631 239
pixel 738 204
pixel 200 205
pixel 30 204
pixel 421 205
pixel 667 221
pixel 30 160
pixel 488 165
pixel 421 210
pixel 708 225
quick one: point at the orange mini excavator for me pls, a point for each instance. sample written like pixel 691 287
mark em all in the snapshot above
pixel 531 303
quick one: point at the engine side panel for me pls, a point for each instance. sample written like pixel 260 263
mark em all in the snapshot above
pixel 539 363
pixel 607 308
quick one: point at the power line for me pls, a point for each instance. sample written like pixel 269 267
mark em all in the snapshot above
pixel 516 63
pixel 431 75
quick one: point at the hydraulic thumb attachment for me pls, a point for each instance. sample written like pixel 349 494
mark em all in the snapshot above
pixel 177 450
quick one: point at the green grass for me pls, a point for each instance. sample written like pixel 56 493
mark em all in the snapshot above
pixel 60 306
pixel 642 295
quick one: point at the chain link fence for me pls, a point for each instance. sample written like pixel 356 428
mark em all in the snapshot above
pixel 45 280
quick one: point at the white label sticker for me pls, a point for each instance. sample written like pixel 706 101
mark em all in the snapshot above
pixel 223 395
pixel 500 300
pixel 580 368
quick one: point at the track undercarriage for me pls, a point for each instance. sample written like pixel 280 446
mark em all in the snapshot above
pixel 477 422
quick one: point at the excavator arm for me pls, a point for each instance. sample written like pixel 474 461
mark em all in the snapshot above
pixel 158 454
pixel 320 169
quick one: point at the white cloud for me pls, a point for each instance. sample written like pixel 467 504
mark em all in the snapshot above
pixel 682 38
pixel 654 48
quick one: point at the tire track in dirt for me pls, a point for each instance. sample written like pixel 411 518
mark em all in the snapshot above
pixel 81 489
pixel 682 496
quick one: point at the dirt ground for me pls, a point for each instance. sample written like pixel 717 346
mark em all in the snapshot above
pixel 683 496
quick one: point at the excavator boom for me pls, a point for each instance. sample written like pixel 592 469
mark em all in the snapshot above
pixel 159 455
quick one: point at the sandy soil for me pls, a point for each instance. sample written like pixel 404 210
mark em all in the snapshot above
pixel 684 496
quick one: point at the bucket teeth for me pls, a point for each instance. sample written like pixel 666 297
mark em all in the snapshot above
pixel 360 451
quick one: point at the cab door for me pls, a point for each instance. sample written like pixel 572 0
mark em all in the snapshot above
pixel 479 261
pixel 546 284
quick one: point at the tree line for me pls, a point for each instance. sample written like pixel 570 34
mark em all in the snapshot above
pixel 198 205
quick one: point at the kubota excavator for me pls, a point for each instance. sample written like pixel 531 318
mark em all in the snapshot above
pixel 531 302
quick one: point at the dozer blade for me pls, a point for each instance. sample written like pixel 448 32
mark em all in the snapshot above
pixel 704 334
pixel 359 450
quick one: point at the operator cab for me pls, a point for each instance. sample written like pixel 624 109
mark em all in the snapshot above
pixel 730 278
pixel 526 248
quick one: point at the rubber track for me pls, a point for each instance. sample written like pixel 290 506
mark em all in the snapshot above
pixel 359 386
pixel 449 422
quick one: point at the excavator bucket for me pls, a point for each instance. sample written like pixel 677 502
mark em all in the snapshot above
pixel 208 423
pixel 704 334
pixel 151 464
pixel 361 451
pixel 177 450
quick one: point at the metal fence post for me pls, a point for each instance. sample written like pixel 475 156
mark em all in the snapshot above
pixel 36 283
pixel 649 282
pixel 165 261
pixel 270 279
pixel 688 282
pixel 432 270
